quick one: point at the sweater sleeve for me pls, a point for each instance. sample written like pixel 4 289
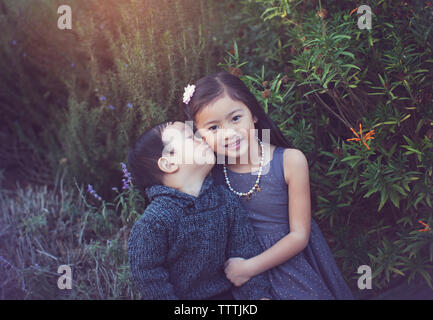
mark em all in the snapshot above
pixel 147 250
pixel 243 243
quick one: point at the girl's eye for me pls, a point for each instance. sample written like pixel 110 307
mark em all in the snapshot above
pixel 236 118
pixel 213 128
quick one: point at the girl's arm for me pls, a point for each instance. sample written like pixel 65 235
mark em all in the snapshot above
pixel 297 177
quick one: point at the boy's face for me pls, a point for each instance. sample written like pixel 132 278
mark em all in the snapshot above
pixel 184 149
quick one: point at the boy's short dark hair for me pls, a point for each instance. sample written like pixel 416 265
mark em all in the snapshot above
pixel 143 157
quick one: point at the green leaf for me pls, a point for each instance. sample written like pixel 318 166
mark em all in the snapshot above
pixel 349 54
pixel 341 36
pixel 370 39
pixel 355 183
pixel 315 76
pixel 370 192
pixel 345 183
pixel 406 85
pixel 351 158
pixel 325 71
pixel 395 199
pixel 396 271
pixel 310 92
pixel 411 150
pixel 352 66
pixel 381 79
pixel 399 189
pixel 407 140
pixel 325 85
pixel 383 198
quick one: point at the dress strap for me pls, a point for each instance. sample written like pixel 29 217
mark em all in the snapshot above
pixel 278 163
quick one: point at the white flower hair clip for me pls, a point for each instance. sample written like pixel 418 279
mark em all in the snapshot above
pixel 187 94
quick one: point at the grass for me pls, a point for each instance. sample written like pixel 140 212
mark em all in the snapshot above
pixel 42 228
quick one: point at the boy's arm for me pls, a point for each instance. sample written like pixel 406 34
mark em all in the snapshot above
pixel 244 244
pixel 147 250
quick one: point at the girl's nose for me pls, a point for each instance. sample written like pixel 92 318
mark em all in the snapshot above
pixel 228 134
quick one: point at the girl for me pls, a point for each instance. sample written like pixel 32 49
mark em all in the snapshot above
pixel 273 185
pixel 178 247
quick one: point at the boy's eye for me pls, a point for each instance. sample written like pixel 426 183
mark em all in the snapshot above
pixel 236 118
pixel 213 128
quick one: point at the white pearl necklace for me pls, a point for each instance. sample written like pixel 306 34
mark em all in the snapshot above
pixel 256 184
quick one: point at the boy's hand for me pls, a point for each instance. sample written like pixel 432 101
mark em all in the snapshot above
pixel 238 271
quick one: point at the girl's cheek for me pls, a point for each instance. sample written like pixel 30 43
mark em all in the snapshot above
pixel 211 140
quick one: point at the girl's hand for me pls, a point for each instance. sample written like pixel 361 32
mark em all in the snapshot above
pixel 238 271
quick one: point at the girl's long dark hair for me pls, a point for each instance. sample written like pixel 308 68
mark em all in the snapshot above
pixel 210 88
pixel 143 157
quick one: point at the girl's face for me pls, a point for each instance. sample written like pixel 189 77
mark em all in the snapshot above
pixel 227 126
pixel 183 148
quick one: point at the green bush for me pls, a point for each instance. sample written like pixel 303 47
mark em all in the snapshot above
pixel 321 78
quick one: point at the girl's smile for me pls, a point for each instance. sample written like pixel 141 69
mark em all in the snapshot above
pixel 234 145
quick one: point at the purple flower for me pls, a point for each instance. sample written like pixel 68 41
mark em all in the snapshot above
pixel 127 178
pixel 14 42
pixel 115 189
pixel 126 65
pixel 24 54
pixel 102 98
pixel 93 192
pixel 72 65
pixel 101 26
pixel 111 107
pixel 130 105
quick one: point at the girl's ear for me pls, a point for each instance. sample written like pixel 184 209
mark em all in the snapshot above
pixel 166 166
pixel 255 119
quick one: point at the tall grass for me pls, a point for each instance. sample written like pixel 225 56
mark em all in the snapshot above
pixel 43 228
pixel 82 95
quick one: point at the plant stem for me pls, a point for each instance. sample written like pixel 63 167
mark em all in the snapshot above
pixel 347 124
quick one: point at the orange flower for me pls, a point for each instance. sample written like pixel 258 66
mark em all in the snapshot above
pixel 353 11
pixel 322 14
pixel 235 71
pixel 427 227
pixel 363 139
pixel 266 93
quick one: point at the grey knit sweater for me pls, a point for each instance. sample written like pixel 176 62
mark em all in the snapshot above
pixel 178 247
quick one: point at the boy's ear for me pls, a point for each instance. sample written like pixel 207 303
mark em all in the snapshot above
pixel 255 119
pixel 166 166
